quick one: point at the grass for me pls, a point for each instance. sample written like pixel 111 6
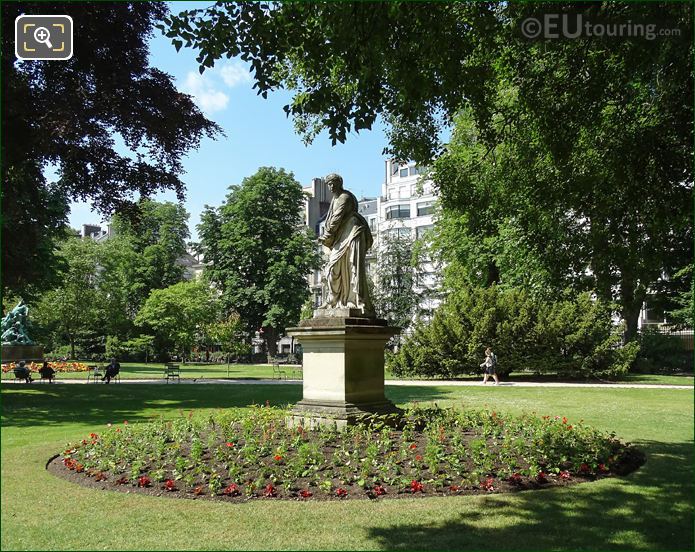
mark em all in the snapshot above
pixel 652 509
pixel 155 370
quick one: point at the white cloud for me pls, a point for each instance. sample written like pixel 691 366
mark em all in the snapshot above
pixel 203 89
pixel 235 73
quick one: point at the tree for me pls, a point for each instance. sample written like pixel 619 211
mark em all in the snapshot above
pixel 583 146
pixel 395 298
pixel 259 252
pixel 230 336
pixel 74 309
pixel 178 313
pixel 68 115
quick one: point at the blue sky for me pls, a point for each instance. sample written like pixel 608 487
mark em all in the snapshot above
pixel 258 133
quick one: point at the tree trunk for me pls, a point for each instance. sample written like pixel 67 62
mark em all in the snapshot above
pixel 72 348
pixel 271 340
pixel 631 300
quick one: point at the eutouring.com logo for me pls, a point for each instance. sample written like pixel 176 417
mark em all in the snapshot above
pixel 565 25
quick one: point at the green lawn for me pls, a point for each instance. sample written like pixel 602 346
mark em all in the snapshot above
pixel 651 509
pixel 135 370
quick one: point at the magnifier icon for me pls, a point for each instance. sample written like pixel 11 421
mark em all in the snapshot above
pixel 42 36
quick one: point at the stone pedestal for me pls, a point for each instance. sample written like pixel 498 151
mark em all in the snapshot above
pixel 343 369
pixel 15 353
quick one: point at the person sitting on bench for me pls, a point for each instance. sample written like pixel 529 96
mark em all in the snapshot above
pixel 47 372
pixel 111 370
pixel 22 372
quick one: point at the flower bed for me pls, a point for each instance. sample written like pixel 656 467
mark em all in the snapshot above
pixel 251 453
pixel 58 366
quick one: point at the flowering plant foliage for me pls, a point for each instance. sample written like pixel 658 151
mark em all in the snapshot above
pixel 433 451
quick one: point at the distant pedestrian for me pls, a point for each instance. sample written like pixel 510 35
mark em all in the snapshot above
pixel 490 365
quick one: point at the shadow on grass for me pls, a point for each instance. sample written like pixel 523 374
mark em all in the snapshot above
pixel 32 406
pixel 650 509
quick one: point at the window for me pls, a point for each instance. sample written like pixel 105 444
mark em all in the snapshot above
pixel 398 233
pixel 398 212
pixel 420 230
pixel 372 224
pixel 414 170
pixel 394 168
pixel 403 172
pixel 426 208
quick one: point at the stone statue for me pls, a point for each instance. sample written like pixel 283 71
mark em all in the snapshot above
pixel 14 326
pixel 346 234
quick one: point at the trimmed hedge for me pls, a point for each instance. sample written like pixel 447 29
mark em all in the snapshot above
pixel 574 336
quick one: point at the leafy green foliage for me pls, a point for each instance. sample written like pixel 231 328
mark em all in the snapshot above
pixel 74 309
pixel 259 252
pixel 573 337
pixel 70 115
pixel 394 296
pixel 229 335
pixel 179 313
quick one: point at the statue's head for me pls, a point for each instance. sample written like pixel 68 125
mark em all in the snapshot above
pixel 334 182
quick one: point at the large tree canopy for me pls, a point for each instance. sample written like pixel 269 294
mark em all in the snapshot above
pixel 572 160
pixel 258 252
pixel 70 114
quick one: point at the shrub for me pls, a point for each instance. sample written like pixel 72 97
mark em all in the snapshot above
pixel 573 336
pixel 662 353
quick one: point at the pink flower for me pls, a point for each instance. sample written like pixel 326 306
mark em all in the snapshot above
pixel 340 492
pixel 169 485
pixel 379 490
pixel 304 493
pixel 269 491
pixel 229 444
pixel 564 474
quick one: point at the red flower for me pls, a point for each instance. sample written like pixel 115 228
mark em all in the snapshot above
pixel 541 477
pixel 564 419
pixel 118 430
pixel 569 427
pixel 488 484
pixel 602 468
pixel 69 463
pixel 269 491
pixel 515 479
pixel 418 457
pixel 413 446
pixel 143 481
pixel 169 485
pixel 232 490
pixel 305 493
pixel 93 436
pixel 341 492
pixel 84 441
pixel 229 444
pixel 416 487
pixel 454 488
pixel 277 457
pixel 379 490
pixel 584 468
pixel 565 475
pixel 198 490
pixel 79 468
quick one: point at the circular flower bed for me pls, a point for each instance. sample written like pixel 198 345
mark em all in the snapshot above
pixel 58 366
pixel 239 454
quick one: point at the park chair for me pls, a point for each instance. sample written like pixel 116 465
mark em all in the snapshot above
pixel 278 373
pixel 95 373
pixel 47 379
pixel 172 371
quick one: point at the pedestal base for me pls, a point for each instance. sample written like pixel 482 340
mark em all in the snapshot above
pixel 343 370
